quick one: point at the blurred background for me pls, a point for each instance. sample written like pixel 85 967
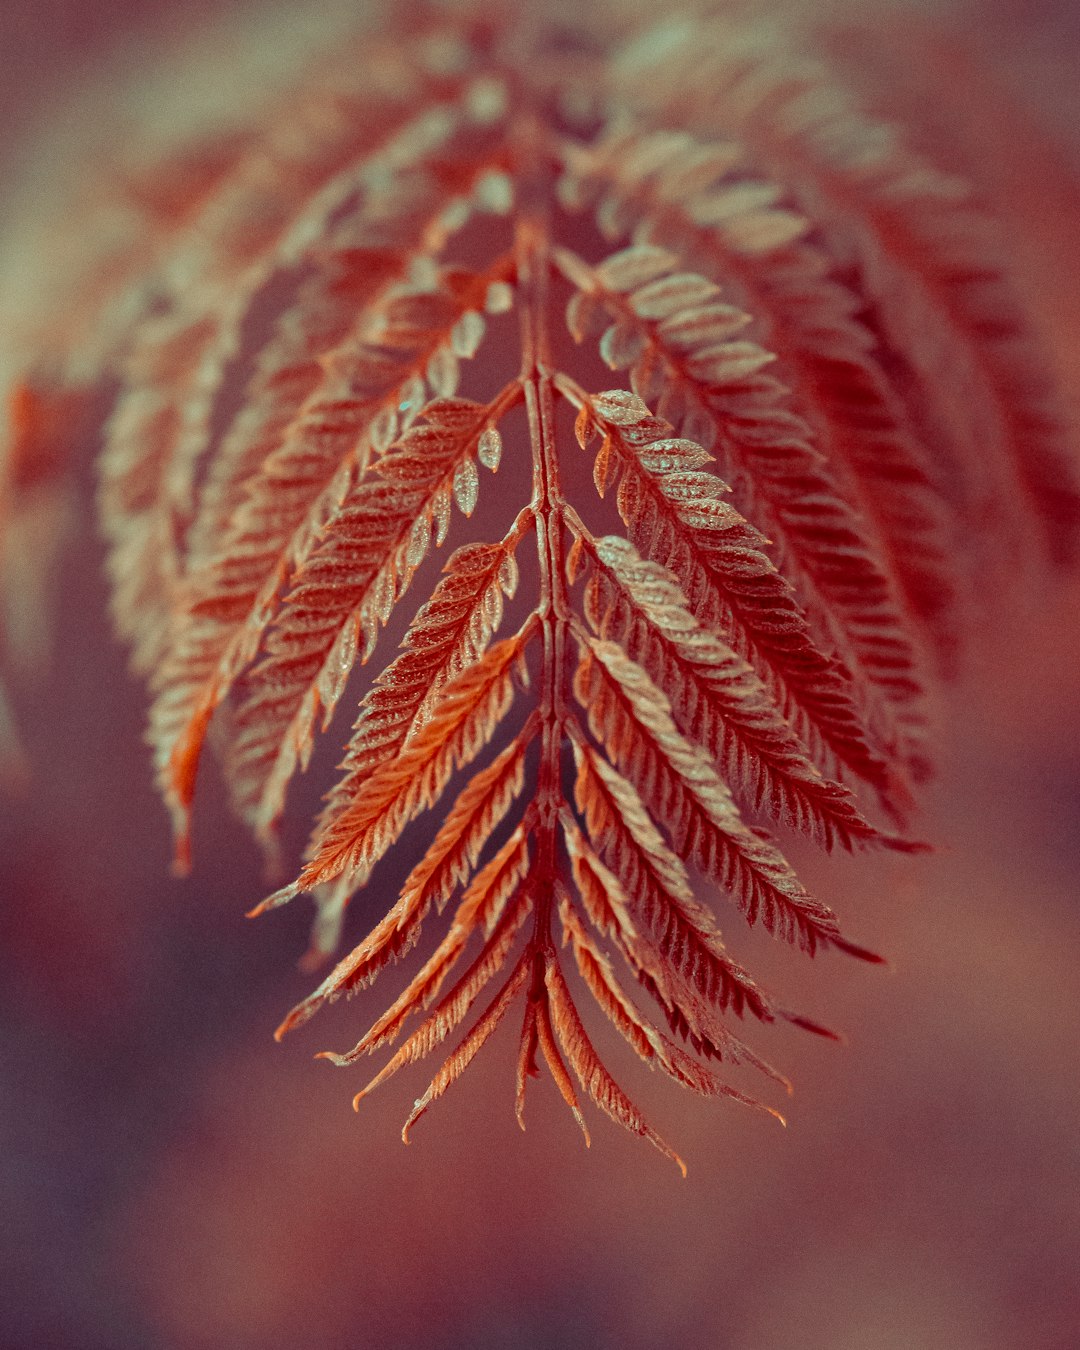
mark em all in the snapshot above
pixel 170 1177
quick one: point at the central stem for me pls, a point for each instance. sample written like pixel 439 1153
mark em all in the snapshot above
pixel 532 250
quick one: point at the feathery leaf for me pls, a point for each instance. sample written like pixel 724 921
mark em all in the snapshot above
pixel 309 320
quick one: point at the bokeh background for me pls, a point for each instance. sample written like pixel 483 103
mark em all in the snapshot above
pixel 169 1177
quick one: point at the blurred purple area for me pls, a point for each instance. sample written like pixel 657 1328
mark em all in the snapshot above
pixel 172 1178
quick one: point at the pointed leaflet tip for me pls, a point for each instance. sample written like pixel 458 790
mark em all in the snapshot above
pixel 278 898
pixel 902 845
pixel 297 1015
pixel 182 767
pixel 181 861
pixel 861 953
pixel 419 1107
pixel 808 1024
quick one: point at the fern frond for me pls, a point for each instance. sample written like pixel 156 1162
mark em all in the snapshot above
pixel 632 719
pixel 452 630
pixel 676 515
pixel 649 1043
pixel 351 411
pixel 340 595
pixel 303 320
pixel 717 699
pixel 453 1007
pixel 930 260
pixel 466 1052
pixel 679 342
pixel 144 559
pixel 254 224
pixel 547 1040
pixel 658 889
pixel 495 904
pixel 469 710
pixel 448 863
pixel 609 911
pixel 590 1070
pixel 671 189
pixel 482 804
pixel 449 632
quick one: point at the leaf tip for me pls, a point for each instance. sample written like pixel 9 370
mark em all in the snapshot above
pixel 286 1026
pixel 274 901
pixel 860 953
pixel 181 859
pixel 818 1028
